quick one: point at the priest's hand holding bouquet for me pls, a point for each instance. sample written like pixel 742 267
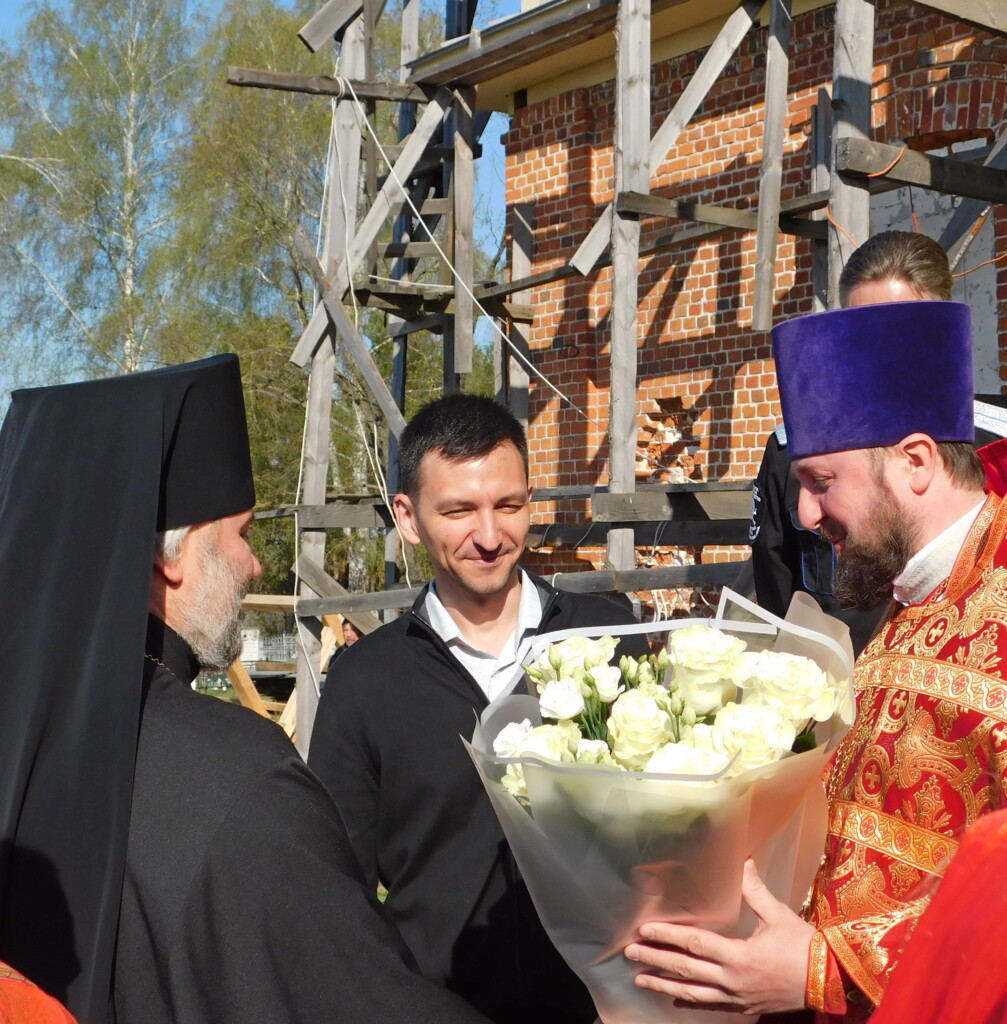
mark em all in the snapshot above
pixel 635 792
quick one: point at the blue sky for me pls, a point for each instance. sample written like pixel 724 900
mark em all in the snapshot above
pixel 490 174
pixel 11 16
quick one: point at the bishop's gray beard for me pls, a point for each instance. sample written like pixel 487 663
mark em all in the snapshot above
pixel 210 621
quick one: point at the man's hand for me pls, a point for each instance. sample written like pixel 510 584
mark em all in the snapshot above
pixel 764 973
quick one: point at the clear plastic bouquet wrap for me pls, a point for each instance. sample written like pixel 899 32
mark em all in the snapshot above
pixel 636 793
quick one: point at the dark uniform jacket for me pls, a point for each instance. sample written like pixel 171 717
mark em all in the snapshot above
pixel 387 743
pixel 243 901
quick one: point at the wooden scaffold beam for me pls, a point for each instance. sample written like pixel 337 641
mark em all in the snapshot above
pixel 850 201
pixel 632 172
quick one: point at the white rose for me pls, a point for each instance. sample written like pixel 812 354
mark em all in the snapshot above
pixel 704 659
pixel 795 686
pixel 570 732
pixel 540 671
pixel 761 734
pixel 844 703
pixel 699 736
pixel 510 738
pixel 581 652
pixel 684 759
pixel 704 693
pixel 637 726
pixel 551 742
pixel 607 682
pixel 561 698
pixel 600 651
pixel 513 782
pixel 595 752
pixel 650 688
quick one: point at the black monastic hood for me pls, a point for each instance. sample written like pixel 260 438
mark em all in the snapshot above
pixel 88 473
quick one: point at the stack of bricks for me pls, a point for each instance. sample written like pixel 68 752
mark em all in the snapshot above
pixel 698 354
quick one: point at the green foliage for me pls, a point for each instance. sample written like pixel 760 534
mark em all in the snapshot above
pixel 147 215
pixel 92 113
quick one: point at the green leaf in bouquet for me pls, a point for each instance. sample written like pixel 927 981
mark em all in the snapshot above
pixel 805 740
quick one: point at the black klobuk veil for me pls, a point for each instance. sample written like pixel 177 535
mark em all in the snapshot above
pixel 88 473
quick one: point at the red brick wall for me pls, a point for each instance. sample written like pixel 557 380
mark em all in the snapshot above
pixel 702 369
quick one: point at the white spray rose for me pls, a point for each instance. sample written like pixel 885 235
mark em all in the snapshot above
pixel 510 739
pixel 637 726
pixel 541 671
pixel 561 698
pixel 570 732
pixel 699 736
pixel 607 682
pixel 551 742
pixel 651 689
pixel 513 782
pixel 570 659
pixel 646 676
pixel 595 752
pixel 684 759
pixel 587 652
pixel 761 734
pixel 795 686
pixel 704 660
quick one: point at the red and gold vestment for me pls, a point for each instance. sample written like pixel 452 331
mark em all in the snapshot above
pixel 925 758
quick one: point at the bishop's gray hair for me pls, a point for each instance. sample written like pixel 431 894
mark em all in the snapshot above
pixel 168 545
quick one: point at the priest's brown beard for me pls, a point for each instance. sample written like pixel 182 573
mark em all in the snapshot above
pixel 867 568
pixel 211 619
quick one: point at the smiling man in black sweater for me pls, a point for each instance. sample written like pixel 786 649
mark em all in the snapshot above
pixel 386 738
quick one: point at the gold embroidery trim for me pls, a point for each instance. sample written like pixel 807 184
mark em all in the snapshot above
pixel 968 687
pixel 818 964
pixel 853 965
pixel 900 840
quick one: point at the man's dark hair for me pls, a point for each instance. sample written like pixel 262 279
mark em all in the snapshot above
pixel 963 465
pixel 460 428
pixel 902 256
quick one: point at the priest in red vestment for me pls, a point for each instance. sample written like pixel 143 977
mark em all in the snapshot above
pixel 877 405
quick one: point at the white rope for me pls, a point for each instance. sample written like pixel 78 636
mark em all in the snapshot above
pixel 379 475
pixel 362 116
pixel 347 240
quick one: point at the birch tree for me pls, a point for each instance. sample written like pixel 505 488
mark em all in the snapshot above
pixel 93 106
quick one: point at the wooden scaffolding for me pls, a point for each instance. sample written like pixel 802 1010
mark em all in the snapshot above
pixel 428 195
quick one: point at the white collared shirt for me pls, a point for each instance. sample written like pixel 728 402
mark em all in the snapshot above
pixel 491 671
pixel 932 564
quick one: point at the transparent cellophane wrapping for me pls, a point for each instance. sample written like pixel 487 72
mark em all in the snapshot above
pixel 602 851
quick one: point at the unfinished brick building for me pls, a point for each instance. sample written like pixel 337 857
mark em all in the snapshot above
pixel 705 388
pixel 680 175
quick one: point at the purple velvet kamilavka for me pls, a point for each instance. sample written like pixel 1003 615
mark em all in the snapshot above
pixel 868 376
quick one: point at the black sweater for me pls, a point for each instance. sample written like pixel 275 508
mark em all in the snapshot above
pixel 387 743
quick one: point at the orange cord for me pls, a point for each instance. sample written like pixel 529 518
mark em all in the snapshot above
pixel 986 263
pixel 916 223
pixel 878 174
pixel 839 227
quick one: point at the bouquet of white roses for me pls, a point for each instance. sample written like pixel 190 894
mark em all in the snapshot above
pixel 634 792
